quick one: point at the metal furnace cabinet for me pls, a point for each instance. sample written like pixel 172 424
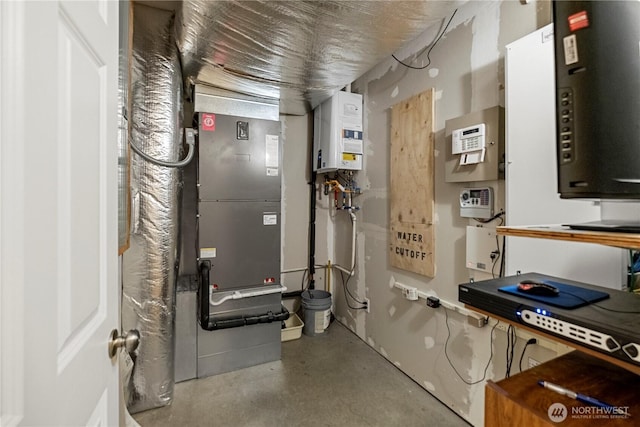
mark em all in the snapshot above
pixel 238 231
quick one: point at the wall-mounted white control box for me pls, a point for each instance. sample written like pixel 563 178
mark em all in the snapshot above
pixel 468 139
pixel 337 133
pixel 475 146
pixel 476 202
pixel 482 249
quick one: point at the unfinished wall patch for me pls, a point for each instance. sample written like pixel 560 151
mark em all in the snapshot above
pixel 392 310
pixel 371 342
pixel 433 72
pixel 429 342
pixel 392 280
pixel 395 92
pixel 429 386
pixel 384 352
pixel 438 95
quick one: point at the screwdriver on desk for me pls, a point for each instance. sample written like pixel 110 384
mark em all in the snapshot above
pixel 572 394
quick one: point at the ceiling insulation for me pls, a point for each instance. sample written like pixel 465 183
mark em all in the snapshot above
pixel 300 52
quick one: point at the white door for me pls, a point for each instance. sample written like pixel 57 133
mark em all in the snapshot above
pixel 58 212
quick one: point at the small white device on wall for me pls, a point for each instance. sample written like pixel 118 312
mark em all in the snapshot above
pixel 476 202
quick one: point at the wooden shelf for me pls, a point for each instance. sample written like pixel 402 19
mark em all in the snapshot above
pixel 560 232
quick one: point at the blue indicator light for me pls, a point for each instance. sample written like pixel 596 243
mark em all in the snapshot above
pixel 538 310
pixel 518 313
pixel 544 312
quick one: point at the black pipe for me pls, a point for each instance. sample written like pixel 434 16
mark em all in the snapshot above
pixel 312 226
pixel 209 323
pixel 292 294
pixel 203 293
pixel 239 321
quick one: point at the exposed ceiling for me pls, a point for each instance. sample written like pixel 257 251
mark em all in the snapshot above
pixel 300 52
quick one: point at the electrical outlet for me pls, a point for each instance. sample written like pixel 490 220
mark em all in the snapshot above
pixel 525 335
pixel 502 326
pixel 533 362
pixel 368 301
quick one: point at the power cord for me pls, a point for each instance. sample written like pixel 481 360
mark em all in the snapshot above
pixel 484 375
pixel 430 49
pixel 499 216
pixel 531 341
pixel 495 256
pixel 347 292
pixel 504 249
pixel 512 338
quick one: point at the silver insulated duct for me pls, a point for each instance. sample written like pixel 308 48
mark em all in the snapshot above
pixel 299 52
pixel 150 264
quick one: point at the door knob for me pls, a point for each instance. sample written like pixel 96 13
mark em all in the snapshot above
pixel 129 342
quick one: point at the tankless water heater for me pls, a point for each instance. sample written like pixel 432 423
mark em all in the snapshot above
pixel 337 133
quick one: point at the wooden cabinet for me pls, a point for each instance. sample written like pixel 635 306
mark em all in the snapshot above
pixel 520 401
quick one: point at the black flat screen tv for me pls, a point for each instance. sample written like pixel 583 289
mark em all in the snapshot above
pixel 597 66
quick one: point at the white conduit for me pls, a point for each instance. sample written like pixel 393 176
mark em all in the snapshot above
pixel 246 294
pixel 352 270
pixel 189 135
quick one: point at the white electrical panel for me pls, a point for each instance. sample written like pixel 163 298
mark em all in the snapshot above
pixel 337 133
pixel 482 249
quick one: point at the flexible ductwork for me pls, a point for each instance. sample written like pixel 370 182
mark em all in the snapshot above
pixel 150 264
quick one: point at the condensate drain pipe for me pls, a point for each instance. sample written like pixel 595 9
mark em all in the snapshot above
pixel 211 323
pixel 352 268
pixel 312 229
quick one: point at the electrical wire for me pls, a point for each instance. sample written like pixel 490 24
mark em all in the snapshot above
pixel 484 375
pixel 531 341
pixel 345 286
pixel 496 256
pixel 430 49
pixel 504 245
pixel 499 216
pixel 157 162
pixel 495 261
pixel 305 276
pixel 512 338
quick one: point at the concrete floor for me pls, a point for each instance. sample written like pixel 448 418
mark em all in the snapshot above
pixel 330 380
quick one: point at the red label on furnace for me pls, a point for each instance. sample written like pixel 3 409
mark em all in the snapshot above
pixel 208 122
pixel 578 20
